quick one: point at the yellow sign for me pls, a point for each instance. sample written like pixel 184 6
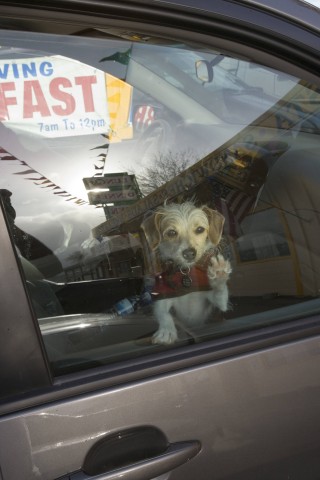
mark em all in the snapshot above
pixel 119 104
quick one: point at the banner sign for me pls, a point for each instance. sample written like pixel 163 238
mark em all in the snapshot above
pixel 118 197
pixel 112 181
pixel 114 210
pixel 54 96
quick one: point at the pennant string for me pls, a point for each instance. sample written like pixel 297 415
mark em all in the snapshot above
pixel 42 179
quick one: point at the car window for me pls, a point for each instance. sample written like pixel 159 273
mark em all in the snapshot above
pixel 157 195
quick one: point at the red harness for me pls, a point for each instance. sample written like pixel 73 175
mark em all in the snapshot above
pixel 177 281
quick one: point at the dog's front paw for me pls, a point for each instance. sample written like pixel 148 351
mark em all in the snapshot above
pixel 165 336
pixel 219 269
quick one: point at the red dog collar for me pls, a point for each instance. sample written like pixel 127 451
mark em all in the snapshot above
pixel 178 281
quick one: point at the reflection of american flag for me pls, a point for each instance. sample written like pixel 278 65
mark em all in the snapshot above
pixel 144 116
pixel 234 205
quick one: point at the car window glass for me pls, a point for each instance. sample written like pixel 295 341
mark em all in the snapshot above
pixel 157 195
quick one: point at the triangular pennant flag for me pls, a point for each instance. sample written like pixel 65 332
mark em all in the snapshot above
pixel 8 157
pixel 25 172
pixel 37 179
pixel 106 145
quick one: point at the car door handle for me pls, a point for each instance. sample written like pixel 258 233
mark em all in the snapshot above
pixel 175 455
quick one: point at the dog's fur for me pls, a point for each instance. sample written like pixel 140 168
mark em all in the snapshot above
pixel 183 233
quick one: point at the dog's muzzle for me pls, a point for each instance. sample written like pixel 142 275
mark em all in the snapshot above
pixel 189 254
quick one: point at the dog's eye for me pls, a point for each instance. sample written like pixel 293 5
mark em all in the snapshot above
pixel 171 233
pixel 200 230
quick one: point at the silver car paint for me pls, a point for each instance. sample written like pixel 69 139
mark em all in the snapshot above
pixel 252 414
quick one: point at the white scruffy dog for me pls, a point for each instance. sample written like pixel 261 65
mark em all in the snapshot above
pixel 194 281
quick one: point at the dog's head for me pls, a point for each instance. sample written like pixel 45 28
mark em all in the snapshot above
pixel 183 232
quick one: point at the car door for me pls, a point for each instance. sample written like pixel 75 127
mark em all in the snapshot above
pixel 109 114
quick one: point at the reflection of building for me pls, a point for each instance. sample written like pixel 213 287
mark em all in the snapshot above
pixel 115 256
pixel 270 216
pixel 112 255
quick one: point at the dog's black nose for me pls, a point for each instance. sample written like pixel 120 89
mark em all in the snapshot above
pixel 189 254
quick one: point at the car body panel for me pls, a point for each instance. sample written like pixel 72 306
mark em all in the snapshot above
pixel 230 406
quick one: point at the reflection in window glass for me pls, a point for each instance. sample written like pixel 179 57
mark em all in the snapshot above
pixel 156 195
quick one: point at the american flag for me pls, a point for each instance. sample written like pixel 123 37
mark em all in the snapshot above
pixel 144 116
pixel 234 205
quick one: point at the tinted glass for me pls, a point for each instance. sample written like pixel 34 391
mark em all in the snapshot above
pixel 157 195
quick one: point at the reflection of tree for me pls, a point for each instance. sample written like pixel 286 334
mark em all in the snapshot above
pixel 163 168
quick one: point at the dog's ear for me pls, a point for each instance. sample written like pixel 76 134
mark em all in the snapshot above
pixel 216 222
pixel 151 228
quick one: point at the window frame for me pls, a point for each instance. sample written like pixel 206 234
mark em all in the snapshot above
pixel 22 350
pixel 38 385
